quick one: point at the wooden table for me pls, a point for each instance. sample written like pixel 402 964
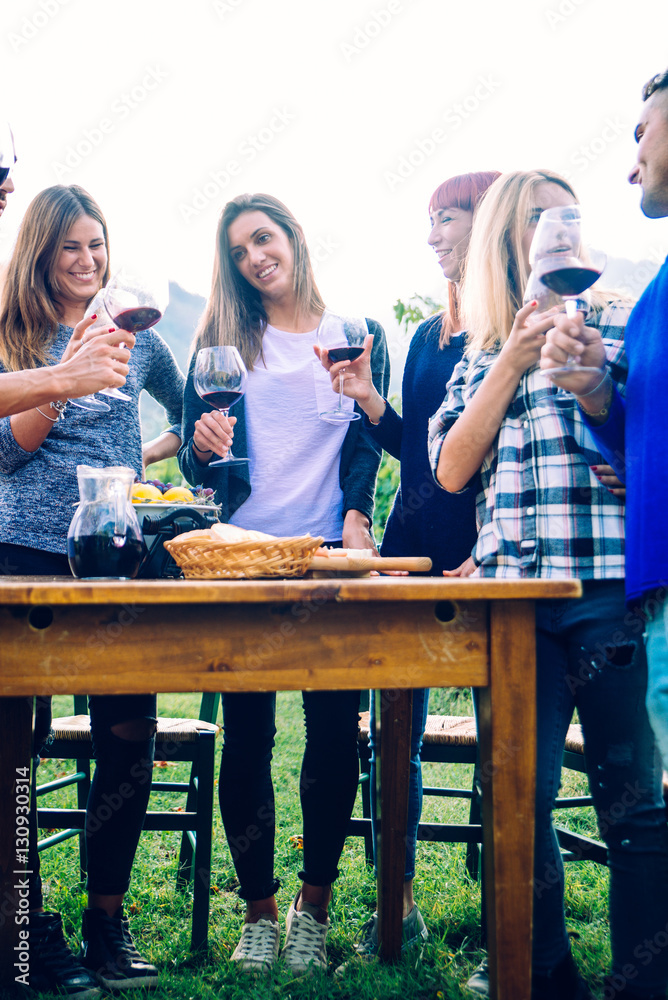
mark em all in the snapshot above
pixel 72 636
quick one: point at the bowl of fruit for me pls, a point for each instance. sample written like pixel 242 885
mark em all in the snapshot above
pixel 156 498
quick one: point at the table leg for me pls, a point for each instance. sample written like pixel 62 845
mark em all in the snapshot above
pixel 507 721
pixel 15 753
pixel 393 711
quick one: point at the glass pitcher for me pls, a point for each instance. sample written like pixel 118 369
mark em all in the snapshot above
pixel 104 540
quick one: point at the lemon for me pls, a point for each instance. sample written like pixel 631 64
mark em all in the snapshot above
pixel 145 491
pixel 179 493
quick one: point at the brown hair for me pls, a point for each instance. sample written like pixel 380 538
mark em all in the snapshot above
pixel 234 313
pixel 29 314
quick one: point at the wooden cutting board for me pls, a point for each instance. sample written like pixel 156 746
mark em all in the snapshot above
pixel 363 564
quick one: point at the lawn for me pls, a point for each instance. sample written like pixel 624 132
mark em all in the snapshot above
pixel 448 898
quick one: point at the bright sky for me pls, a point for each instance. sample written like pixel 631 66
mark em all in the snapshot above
pixel 351 112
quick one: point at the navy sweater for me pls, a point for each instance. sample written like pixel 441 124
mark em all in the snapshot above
pixel 634 440
pixel 425 520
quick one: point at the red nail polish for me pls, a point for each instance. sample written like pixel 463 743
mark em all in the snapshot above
pixel 593 468
pixel 535 302
pixel 112 329
pixel 94 316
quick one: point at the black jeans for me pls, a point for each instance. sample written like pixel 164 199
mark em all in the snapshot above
pixel 328 785
pixel 122 781
pixel 590 656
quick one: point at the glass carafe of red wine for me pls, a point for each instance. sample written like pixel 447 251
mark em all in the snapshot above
pixel 563 268
pixel 104 541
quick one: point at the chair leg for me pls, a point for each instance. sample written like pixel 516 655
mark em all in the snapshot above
pixel 83 791
pixel 184 870
pixel 203 832
pixel 365 773
pixel 475 816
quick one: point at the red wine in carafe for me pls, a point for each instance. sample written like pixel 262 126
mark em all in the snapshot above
pixel 344 353
pixel 92 556
pixel 222 399
pixel 139 318
pixel 570 280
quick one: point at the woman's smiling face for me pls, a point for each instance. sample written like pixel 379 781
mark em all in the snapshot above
pixel 262 253
pixel 449 236
pixel 82 262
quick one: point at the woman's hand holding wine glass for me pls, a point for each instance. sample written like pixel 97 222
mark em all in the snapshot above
pixel 341 341
pixel 355 378
pixel 220 380
pixel 522 349
pixel 213 434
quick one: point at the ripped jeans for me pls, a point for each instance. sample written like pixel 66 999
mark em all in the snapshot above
pixel 590 656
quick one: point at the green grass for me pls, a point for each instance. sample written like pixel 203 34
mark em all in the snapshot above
pixel 448 898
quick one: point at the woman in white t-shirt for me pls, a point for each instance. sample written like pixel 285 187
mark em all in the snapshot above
pixel 303 475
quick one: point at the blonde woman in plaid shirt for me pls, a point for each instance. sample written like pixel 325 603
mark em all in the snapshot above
pixel 542 512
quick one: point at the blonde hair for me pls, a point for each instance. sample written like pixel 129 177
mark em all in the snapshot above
pixel 234 314
pixel 29 314
pixel 495 273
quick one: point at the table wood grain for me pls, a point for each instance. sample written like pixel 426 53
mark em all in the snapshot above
pixel 61 635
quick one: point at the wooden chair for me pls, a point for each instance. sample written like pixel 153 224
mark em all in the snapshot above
pixel 453 740
pixel 177 740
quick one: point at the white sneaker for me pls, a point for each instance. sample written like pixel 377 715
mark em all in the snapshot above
pixel 304 949
pixel 258 948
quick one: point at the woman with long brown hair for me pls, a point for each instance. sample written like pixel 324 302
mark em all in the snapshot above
pixel 60 261
pixel 303 475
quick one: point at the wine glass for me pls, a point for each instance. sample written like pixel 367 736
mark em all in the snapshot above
pixel 7 151
pixel 561 264
pixel 343 338
pixel 95 306
pixel 134 302
pixel 220 380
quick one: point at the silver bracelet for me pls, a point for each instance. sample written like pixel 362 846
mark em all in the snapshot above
pixel 46 415
pixel 56 405
pixel 597 386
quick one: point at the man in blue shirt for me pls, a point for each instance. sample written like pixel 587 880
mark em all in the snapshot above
pixel 630 428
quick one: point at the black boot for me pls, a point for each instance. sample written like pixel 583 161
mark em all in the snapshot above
pixel 109 952
pixel 561 983
pixel 618 988
pixel 53 967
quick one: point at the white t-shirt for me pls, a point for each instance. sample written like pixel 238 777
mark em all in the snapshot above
pixel 294 455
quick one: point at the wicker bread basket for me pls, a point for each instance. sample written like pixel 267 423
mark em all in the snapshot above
pixel 209 559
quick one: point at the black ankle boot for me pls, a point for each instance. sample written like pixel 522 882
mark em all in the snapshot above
pixel 53 967
pixel 109 952
pixel 561 983
pixel 616 986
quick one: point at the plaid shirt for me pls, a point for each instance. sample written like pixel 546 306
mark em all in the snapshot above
pixel 541 511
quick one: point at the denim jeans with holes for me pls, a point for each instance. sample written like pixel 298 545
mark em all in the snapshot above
pixel 657 656
pixel 590 656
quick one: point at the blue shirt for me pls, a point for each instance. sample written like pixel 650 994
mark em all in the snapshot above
pixel 634 440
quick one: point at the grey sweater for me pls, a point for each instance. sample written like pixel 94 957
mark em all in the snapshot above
pixel 38 489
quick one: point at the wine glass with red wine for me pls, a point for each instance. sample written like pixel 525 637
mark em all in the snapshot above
pixel 561 264
pixel 7 151
pixel 343 338
pixel 220 380
pixel 134 302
